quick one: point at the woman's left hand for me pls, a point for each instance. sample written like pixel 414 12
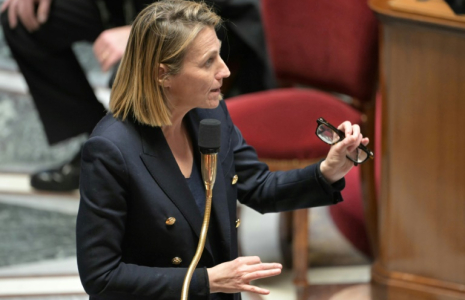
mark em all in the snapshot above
pixel 336 165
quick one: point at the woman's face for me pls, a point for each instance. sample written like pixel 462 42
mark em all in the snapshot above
pixel 199 82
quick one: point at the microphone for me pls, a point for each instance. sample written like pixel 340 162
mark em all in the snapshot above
pixel 209 146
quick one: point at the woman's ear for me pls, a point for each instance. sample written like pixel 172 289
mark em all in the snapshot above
pixel 163 78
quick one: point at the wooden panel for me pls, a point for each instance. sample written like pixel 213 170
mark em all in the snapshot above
pixel 423 187
pixel 433 8
pixel 422 209
pixel 383 8
pixel 402 291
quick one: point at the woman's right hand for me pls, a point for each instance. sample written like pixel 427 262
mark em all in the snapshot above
pixel 235 276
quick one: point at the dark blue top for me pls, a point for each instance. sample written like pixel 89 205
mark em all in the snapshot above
pixel 197 187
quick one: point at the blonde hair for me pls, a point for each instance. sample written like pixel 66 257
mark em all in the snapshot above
pixel 161 34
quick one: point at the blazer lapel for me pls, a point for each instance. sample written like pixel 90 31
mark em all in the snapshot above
pixel 161 164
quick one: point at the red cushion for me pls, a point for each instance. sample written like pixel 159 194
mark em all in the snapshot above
pixel 348 214
pixel 329 44
pixel 281 124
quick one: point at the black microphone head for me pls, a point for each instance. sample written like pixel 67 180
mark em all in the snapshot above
pixel 209 136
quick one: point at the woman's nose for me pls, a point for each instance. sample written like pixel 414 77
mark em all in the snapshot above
pixel 224 71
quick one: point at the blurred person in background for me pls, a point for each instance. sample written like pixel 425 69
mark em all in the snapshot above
pixel 40 34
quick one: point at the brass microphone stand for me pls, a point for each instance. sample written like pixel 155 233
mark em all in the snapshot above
pixel 209 162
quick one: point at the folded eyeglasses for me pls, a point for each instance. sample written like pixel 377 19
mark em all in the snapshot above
pixel 331 135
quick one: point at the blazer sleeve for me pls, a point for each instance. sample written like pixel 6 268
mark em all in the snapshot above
pixel 100 231
pixel 267 191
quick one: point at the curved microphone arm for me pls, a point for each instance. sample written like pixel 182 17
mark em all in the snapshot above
pixel 209 162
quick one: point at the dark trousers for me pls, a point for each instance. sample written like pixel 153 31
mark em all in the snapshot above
pixel 65 101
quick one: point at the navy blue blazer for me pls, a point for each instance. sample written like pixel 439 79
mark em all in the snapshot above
pixel 131 184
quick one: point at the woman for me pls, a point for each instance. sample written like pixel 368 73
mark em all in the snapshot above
pixel 141 206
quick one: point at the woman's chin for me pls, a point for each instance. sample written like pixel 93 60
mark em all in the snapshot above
pixel 213 103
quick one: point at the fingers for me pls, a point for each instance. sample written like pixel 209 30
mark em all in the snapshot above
pixel 259 271
pixel 106 57
pixel 43 10
pixel 27 15
pixel 5 5
pixel 104 54
pixel 13 14
pixel 235 276
pixel 110 45
pixel 24 10
pixel 99 46
pixel 365 141
pixel 261 267
pixel 110 60
pixel 353 136
pixel 268 271
pixel 100 49
pixel 254 289
pixel 254 269
pixel 346 127
pixel 355 130
pixel 354 139
pixel 253 263
pixel 248 260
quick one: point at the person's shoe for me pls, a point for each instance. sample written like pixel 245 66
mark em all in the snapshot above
pixel 63 178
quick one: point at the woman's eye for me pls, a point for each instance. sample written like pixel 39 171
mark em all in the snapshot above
pixel 209 62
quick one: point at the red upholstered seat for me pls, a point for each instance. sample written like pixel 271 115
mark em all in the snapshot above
pixel 348 215
pixel 328 44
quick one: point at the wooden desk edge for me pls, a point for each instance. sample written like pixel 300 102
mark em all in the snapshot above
pixel 382 7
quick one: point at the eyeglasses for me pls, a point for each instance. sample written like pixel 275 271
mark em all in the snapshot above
pixel 331 135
